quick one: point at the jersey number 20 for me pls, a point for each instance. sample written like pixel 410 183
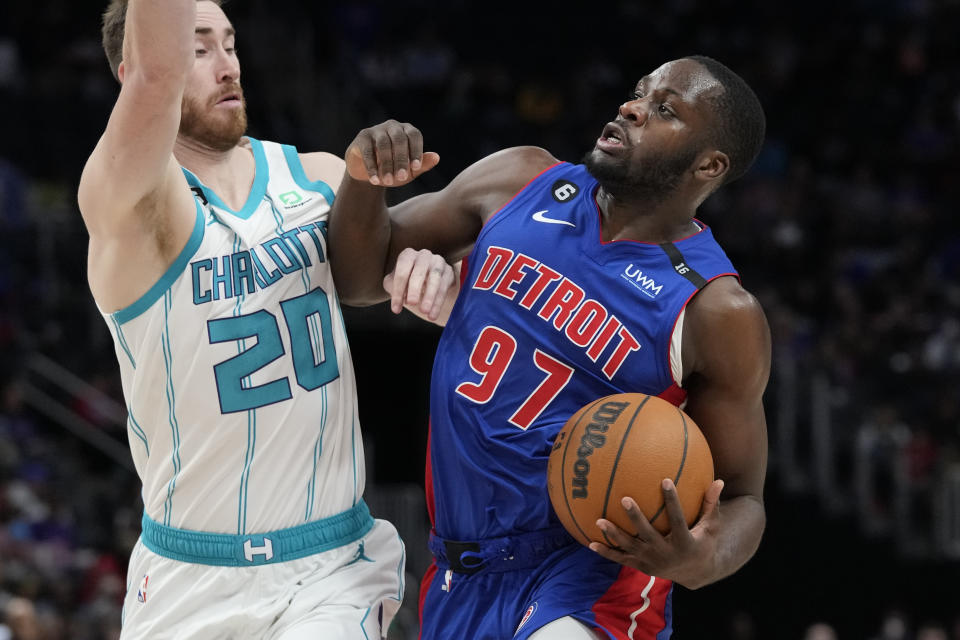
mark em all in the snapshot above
pixel 307 319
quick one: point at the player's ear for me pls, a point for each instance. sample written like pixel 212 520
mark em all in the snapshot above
pixel 712 165
pixel 120 71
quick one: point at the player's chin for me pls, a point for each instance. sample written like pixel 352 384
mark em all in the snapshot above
pixel 601 164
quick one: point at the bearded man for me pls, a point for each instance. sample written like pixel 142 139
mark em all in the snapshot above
pixel 208 259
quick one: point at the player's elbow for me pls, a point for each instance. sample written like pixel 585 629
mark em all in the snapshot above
pixel 354 294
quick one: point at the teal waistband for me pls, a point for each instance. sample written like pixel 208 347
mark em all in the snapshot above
pixel 225 550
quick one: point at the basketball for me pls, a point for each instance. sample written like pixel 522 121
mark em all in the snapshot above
pixel 625 445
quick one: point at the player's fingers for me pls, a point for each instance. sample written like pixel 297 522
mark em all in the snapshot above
pixel 361 158
pixel 400 150
pixel 401 278
pixel 635 559
pixel 418 277
pixel 388 284
pixel 415 147
pixel 616 537
pixel 438 280
pixel 444 290
pixel 383 143
pixel 678 522
pixel 609 553
pixel 711 500
pixel 429 160
pixel 644 530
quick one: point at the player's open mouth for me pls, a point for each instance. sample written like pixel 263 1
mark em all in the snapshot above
pixel 612 137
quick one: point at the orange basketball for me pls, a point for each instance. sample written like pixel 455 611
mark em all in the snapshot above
pixel 625 445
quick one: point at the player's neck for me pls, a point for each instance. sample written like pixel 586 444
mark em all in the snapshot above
pixel 663 221
pixel 229 173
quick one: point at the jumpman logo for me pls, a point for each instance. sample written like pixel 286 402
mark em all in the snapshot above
pixel 360 555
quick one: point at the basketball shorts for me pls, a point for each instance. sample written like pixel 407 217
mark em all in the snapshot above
pixel 514 586
pixel 339 578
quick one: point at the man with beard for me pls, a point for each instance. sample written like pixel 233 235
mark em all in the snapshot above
pixel 580 281
pixel 208 258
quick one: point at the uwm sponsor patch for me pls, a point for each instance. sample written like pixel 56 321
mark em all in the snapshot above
pixel 646 285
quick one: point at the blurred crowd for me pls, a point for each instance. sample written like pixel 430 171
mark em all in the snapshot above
pixel 842 228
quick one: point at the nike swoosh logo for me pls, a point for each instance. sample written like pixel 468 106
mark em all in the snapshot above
pixel 539 217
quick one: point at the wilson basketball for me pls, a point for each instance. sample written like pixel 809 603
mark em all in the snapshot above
pixel 625 445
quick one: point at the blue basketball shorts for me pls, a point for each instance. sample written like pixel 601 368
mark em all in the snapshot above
pixel 507 588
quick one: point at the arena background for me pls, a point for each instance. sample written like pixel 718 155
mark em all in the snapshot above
pixel 844 230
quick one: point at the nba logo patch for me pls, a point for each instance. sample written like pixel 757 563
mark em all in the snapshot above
pixel 532 609
pixel 142 591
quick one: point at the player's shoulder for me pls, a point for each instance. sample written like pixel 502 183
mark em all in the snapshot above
pixel 522 161
pixel 487 184
pixel 323 166
pixel 505 171
pixel 725 316
pixel 726 334
pixel 725 296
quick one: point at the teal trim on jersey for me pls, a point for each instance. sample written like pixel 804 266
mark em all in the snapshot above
pixel 363 620
pixel 122 339
pixel 257 190
pixel 353 445
pixel 137 430
pixel 167 279
pixel 245 476
pixel 317 453
pixel 296 170
pixel 171 408
pixel 225 550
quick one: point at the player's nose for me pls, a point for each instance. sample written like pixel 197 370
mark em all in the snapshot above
pixel 228 67
pixel 634 110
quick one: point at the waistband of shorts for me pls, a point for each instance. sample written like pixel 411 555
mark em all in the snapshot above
pixel 508 553
pixel 252 549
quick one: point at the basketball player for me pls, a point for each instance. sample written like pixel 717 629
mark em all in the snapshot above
pixel 581 281
pixel 209 259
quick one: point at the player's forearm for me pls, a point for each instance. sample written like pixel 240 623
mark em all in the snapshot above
pixel 742 523
pixel 159 41
pixel 359 242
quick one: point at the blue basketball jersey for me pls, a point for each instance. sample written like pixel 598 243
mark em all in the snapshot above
pixel 550 317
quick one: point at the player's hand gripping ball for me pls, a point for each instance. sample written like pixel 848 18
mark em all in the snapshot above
pixel 625 445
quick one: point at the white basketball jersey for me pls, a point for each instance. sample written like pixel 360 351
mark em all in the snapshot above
pixel 236 369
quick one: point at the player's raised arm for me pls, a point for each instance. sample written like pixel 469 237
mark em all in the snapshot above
pixel 133 197
pixel 366 237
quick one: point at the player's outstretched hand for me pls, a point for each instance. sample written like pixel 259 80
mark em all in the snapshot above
pixel 389 154
pixel 684 555
pixel 422 282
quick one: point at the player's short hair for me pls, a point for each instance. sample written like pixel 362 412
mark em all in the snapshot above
pixel 740 122
pixel 114 20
